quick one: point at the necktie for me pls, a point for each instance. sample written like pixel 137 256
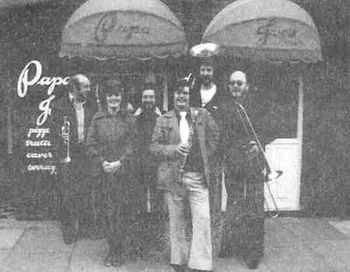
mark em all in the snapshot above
pixel 184 128
pixel 79 110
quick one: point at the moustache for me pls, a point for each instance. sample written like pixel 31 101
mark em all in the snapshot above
pixel 206 77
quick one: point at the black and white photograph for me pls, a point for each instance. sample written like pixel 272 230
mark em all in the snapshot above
pixel 174 135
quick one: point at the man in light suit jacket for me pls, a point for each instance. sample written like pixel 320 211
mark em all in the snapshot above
pixel 184 140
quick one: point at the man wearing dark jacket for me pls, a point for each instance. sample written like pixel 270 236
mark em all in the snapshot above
pixel 76 111
pixel 151 205
pixel 243 233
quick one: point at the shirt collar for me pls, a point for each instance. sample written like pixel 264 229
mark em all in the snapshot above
pixel 72 100
pixel 188 115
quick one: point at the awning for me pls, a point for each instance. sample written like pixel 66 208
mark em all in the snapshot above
pixel 123 29
pixel 275 30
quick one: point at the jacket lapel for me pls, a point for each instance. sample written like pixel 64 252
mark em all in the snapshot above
pixel 200 130
pixel 173 127
pixel 195 114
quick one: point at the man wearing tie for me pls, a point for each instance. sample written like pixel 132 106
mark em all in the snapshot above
pixel 73 164
pixel 183 141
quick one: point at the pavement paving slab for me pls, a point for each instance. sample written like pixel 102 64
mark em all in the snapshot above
pixel 9 237
pixel 291 245
pixel 4 253
pixel 336 253
pixel 42 239
pixel 16 224
pixel 236 264
pixel 293 259
pixel 37 262
pixel 343 226
pixel 314 229
pixel 88 256
pixel 277 234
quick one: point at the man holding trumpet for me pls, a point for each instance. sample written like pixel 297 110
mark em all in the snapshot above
pixel 183 141
pixel 71 117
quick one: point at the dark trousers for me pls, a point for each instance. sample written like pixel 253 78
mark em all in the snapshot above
pixel 121 211
pixel 74 188
pixel 243 232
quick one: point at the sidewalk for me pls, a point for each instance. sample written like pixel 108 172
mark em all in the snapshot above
pixel 292 244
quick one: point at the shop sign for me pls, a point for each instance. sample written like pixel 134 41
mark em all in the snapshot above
pixel 24 82
pixel 109 24
pixel 39 155
pixel 38 146
pixel 286 34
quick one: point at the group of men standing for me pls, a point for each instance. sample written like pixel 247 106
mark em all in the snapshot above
pixel 185 157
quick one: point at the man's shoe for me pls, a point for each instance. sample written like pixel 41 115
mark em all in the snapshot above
pixel 108 260
pixel 117 260
pixel 68 237
pixel 252 264
pixel 179 268
pixel 68 240
pixel 228 251
pixel 114 260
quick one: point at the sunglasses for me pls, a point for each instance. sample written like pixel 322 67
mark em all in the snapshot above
pixel 239 83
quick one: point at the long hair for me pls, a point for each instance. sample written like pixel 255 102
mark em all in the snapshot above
pixel 218 79
pixel 119 91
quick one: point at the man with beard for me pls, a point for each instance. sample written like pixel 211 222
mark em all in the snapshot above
pixel 184 141
pixel 150 210
pixel 210 96
pixel 243 233
pixel 207 93
pixel 76 110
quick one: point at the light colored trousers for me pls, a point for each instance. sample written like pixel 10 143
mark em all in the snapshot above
pixel 200 255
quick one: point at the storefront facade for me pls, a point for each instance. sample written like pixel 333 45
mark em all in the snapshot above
pixel 34 32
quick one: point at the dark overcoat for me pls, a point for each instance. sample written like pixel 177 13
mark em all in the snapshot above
pixel 74 176
pixel 243 232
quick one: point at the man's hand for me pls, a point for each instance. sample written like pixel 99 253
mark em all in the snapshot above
pixel 253 150
pixel 111 167
pixel 183 149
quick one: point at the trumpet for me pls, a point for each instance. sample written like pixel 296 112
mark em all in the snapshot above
pixel 65 130
pixel 261 165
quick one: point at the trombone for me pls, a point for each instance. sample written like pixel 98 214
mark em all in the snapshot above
pixel 261 162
